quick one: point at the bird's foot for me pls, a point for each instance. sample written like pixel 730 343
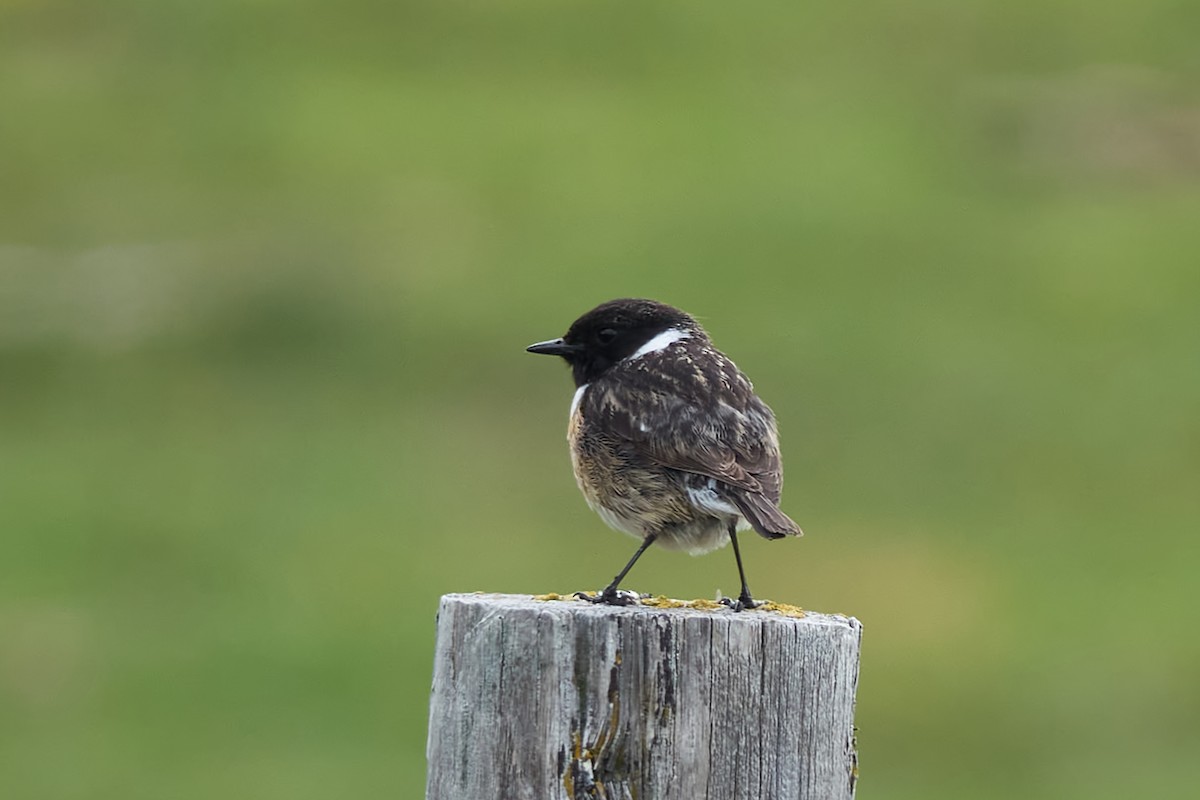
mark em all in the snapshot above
pixel 743 602
pixel 611 596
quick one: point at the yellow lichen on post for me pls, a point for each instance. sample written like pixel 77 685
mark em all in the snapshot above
pixel 699 604
pixel 781 608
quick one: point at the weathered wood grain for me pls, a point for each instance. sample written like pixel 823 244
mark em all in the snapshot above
pixel 541 699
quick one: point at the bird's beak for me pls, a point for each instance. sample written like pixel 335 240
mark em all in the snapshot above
pixel 554 347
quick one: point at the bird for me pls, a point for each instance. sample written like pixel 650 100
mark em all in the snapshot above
pixel 669 442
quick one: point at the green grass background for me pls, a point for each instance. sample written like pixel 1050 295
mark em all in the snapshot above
pixel 266 274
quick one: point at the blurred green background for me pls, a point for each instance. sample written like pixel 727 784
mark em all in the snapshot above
pixel 267 270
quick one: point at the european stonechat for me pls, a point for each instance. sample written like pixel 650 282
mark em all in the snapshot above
pixel 669 442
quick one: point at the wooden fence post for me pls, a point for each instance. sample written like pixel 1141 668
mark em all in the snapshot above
pixel 535 699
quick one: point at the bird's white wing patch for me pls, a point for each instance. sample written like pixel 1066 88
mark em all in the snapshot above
pixel 707 500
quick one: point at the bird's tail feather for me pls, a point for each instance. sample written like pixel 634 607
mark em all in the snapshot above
pixel 765 517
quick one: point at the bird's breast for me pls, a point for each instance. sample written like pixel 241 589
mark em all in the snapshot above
pixel 639 497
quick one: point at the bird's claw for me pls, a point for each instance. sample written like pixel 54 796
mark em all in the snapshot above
pixel 742 603
pixel 611 597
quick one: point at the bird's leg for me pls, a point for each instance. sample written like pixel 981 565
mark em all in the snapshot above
pixel 744 600
pixel 611 596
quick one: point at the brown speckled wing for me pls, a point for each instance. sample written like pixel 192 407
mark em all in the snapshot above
pixel 689 408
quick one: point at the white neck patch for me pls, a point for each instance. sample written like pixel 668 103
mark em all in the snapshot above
pixel 662 340
pixel 577 399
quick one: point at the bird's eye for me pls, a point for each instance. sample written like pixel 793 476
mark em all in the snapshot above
pixel 606 335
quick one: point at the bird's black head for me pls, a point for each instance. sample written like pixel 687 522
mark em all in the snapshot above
pixel 613 331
